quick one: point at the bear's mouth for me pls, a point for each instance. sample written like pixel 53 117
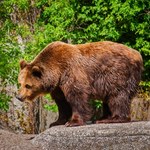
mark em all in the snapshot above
pixel 26 98
pixel 23 98
pixel 20 98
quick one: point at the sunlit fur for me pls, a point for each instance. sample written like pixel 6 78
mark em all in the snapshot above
pixel 75 74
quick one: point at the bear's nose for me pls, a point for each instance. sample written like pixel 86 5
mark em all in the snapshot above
pixel 19 97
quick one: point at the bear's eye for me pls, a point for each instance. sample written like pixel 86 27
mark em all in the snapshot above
pixel 28 86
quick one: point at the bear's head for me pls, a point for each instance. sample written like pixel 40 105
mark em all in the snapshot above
pixel 30 80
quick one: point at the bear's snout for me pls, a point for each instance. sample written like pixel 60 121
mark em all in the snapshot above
pixel 19 97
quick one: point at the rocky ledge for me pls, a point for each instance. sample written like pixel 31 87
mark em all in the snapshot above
pixel 123 136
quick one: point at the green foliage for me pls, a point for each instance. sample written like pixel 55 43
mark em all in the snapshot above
pixel 8 71
pixel 96 104
pixel 145 87
pixel 4 101
pixel 50 107
pixel 48 97
pixel 8 63
pixel 28 26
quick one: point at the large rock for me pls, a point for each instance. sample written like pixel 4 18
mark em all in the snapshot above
pixel 12 141
pixel 123 136
pixel 140 108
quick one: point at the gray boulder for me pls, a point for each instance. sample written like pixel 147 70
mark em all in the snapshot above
pixel 123 136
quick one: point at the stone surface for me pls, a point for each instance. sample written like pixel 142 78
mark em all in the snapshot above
pixel 140 108
pixel 12 141
pixel 123 136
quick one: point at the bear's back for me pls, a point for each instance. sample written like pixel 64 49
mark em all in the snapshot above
pixel 108 48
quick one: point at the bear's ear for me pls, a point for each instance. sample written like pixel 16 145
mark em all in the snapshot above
pixel 36 71
pixel 23 64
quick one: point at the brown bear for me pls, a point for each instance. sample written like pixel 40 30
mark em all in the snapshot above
pixel 76 74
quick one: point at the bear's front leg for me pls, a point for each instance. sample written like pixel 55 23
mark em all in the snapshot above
pixel 75 120
pixel 64 108
pixel 81 109
pixel 76 88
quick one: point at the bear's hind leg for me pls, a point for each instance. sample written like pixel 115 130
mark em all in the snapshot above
pixel 120 109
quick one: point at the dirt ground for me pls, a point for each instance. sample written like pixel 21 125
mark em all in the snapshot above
pixel 12 141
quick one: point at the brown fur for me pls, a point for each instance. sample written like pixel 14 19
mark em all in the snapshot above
pixel 75 74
